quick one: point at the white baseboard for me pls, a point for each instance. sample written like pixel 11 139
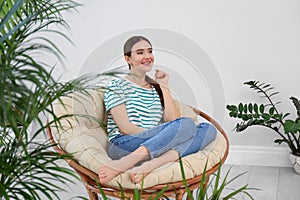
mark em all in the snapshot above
pixel 258 156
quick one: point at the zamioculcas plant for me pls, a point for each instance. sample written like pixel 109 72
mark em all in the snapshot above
pixel 268 115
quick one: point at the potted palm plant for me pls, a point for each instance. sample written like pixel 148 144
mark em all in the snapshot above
pixel 29 168
pixel 268 115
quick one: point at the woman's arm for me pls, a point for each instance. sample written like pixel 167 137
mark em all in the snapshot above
pixel 120 116
pixel 171 112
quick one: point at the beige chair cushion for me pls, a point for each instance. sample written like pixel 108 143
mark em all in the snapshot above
pixel 87 141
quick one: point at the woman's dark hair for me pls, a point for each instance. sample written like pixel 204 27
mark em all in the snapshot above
pixel 131 42
pixel 127 52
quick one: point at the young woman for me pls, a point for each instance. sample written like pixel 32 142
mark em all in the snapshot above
pixel 136 105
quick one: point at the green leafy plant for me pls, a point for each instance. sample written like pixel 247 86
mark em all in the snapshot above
pixel 29 168
pixel 218 185
pixel 268 115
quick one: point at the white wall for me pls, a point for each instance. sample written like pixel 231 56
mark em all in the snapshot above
pixel 244 39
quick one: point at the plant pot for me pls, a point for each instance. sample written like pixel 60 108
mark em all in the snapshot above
pixel 295 160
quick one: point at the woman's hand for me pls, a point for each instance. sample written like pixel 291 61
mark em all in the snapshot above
pixel 161 77
pixel 170 111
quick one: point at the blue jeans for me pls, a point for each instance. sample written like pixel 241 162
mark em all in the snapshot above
pixel 180 134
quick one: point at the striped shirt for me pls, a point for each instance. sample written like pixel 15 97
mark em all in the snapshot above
pixel 142 104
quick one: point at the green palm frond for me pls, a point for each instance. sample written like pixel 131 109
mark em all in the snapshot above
pixel 29 168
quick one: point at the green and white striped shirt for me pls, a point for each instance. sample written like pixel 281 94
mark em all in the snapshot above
pixel 142 104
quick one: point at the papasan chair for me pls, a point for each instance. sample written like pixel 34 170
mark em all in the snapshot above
pixel 84 138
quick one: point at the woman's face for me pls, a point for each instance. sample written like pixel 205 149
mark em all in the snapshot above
pixel 141 58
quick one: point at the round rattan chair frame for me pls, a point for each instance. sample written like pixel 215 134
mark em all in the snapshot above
pixel 174 189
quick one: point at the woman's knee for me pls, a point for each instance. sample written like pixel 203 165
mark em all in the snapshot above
pixel 208 126
pixel 212 130
pixel 186 121
pixel 186 126
pixel 209 131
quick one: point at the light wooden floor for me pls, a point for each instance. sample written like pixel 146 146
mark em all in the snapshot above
pixel 274 183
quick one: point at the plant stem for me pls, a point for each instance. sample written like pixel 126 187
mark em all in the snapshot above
pixel 286 140
pixel 298 142
pixel 271 102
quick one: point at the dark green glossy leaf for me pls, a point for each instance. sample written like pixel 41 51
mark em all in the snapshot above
pixel 245 117
pixel 241 127
pixel 256 115
pixel 261 108
pixel 255 107
pixel 284 116
pixel 241 107
pixel 250 107
pixel 266 116
pixel 296 104
pixel 288 125
pixel 250 83
pixel 265 86
pixel 250 116
pixel 233 114
pixel 245 109
pixel 270 122
pixel 292 126
pixel 228 107
pixel 279 141
pixel 273 94
pixel 231 107
pixel 261 122
pixel 271 111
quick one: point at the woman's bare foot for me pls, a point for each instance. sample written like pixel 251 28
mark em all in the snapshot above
pixel 108 172
pixel 139 173
pixel 138 177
